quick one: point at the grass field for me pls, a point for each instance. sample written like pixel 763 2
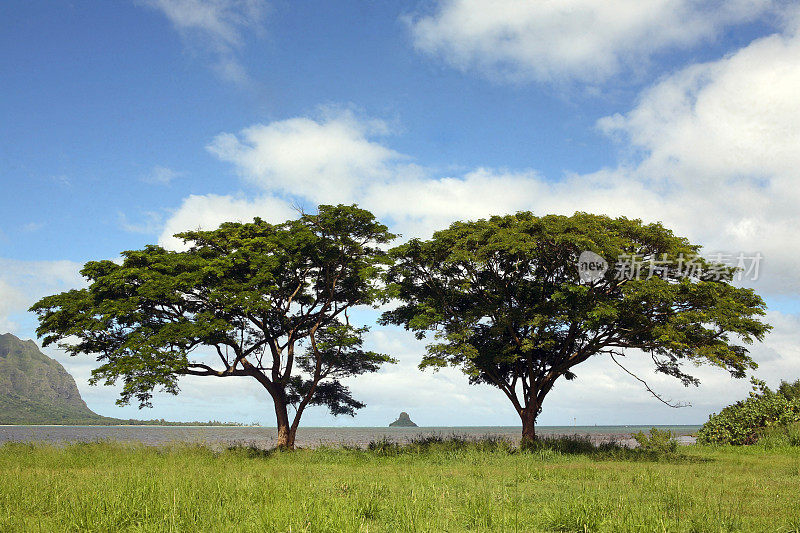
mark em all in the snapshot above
pixel 441 487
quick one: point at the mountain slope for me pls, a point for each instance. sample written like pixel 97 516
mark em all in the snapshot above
pixel 35 389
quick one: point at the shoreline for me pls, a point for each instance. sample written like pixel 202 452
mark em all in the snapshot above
pixel 310 436
pixel 598 426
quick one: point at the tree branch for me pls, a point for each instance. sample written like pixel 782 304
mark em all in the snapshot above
pixel 668 403
pixel 199 369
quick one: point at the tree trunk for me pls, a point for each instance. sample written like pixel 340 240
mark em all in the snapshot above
pixel 285 437
pixel 285 432
pixel 528 416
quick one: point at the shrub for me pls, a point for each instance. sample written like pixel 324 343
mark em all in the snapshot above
pixel 441 444
pixel 779 436
pixel 659 440
pixel 564 444
pixel 747 420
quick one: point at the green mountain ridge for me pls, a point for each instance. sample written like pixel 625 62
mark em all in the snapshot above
pixel 35 389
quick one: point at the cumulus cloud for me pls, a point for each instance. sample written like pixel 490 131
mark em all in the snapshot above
pixel 209 211
pixel 720 142
pixel 419 207
pixel 709 150
pixel 218 25
pixel 326 160
pixel 712 154
pixel 734 118
pixel 574 40
pixel 11 301
pixel 22 283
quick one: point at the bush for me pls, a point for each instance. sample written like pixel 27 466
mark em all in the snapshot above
pixel 659 440
pixel 747 420
pixel 441 444
pixel 779 436
pixel 564 444
pixel 790 390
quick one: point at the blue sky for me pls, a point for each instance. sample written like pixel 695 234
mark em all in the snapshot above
pixel 124 122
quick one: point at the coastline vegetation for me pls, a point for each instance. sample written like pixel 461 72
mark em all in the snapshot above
pixel 765 415
pixel 430 484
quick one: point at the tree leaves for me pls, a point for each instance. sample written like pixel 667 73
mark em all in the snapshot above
pixel 505 302
pixel 252 293
pixel 502 297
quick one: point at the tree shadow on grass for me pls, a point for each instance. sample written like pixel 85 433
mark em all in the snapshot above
pixel 606 451
pixel 423 444
pixel 546 447
pixel 455 446
pixel 251 451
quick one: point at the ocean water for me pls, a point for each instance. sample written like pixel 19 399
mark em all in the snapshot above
pixel 266 437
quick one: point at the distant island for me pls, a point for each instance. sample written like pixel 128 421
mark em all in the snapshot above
pixel 403 421
pixel 37 390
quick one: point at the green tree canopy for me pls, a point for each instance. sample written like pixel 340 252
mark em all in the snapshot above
pixel 269 301
pixel 505 302
pixel 790 390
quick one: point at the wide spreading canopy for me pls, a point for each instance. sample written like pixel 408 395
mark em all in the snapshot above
pixel 268 301
pixel 506 303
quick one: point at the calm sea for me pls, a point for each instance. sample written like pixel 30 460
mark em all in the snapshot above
pixel 265 437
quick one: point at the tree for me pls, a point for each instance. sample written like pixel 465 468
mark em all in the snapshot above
pixel 790 390
pixel 270 301
pixel 505 302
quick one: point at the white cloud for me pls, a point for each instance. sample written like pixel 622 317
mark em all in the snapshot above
pixel 22 283
pixel 209 211
pixel 161 175
pixel 11 301
pixel 219 25
pixel 709 150
pixel 580 40
pixel 327 160
pixel 712 148
pixel 152 222
pixel 731 119
pixel 32 227
pixel 720 143
pixel 222 20
pixel 713 156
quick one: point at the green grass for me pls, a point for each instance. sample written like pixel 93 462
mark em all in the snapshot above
pixel 429 485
